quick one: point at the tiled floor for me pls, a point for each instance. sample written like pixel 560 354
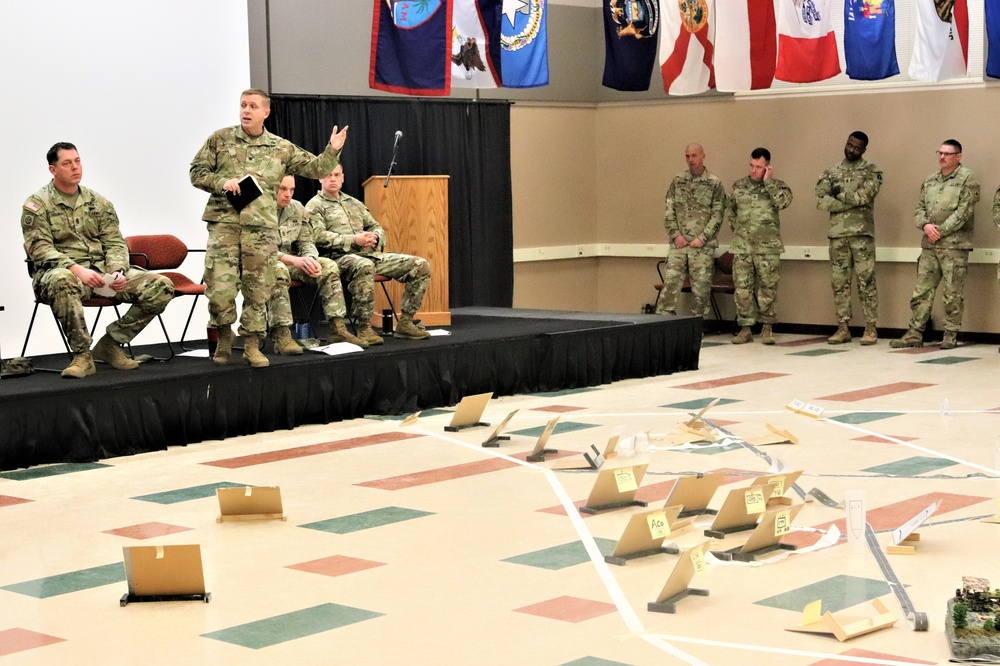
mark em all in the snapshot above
pixel 412 545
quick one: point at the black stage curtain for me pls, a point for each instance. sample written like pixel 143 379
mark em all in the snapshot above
pixel 466 140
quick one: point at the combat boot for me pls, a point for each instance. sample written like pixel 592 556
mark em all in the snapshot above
pixel 950 340
pixel 82 366
pixel 284 344
pixel 408 330
pixel 911 338
pixel 339 333
pixel 110 352
pixel 842 335
pixel 743 337
pixel 766 335
pixel 251 351
pixel 871 335
pixel 224 348
pixel 368 334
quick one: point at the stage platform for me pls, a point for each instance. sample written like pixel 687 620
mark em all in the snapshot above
pixel 47 419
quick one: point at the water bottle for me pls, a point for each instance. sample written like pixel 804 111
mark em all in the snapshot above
pixel 386 322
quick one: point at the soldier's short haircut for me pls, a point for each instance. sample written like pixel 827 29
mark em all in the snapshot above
pixel 257 91
pixel 759 153
pixel 954 144
pixel 860 136
pixel 53 155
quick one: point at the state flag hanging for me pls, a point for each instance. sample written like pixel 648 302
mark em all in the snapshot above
pixel 870 39
pixel 630 32
pixel 524 62
pixel 941 47
pixel 993 38
pixel 411 47
pixel 807 47
pixel 475 43
pixel 746 45
pixel 686 46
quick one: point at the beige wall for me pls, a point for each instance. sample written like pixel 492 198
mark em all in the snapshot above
pixel 598 173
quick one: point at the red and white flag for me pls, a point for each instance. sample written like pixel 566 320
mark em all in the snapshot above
pixel 686 46
pixel 807 47
pixel 746 45
pixel 941 48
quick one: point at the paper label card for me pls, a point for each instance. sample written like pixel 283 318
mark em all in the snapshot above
pixel 659 528
pixel 779 486
pixel 783 522
pixel 796 405
pixel 625 478
pixel 812 612
pixel 698 560
pixel 813 410
pixel 755 501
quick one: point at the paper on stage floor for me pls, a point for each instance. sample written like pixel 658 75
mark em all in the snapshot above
pixel 337 348
pixel 196 353
pixel 438 331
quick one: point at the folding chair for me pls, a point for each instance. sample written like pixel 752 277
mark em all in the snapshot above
pixel 722 281
pixel 159 252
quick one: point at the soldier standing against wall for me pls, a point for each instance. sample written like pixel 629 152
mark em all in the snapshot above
pixel 847 191
pixel 692 216
pixel 242 244
pixel 946 215
pixel 752 210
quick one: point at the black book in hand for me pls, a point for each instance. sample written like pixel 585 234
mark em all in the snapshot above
pixel 249 190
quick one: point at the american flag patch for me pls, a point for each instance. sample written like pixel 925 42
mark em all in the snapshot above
pixel 32 205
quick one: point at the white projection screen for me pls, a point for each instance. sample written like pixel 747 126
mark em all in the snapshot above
pixel 137 87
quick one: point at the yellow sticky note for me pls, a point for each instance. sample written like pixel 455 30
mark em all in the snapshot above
pixel 698 560
pixel 625 478
pixel 779 486
pixel 659 528
pixel 783 522
pixel 812 612
pixel 755 501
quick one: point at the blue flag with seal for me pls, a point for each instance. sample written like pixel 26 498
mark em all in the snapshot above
pixel 870 39
pixel 993 38
pixel 411 47
pixel 630 29
pixel 525 57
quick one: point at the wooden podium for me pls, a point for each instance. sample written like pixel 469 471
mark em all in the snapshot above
pixel 413 210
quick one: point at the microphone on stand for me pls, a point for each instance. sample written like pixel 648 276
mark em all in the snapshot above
pixel 392 164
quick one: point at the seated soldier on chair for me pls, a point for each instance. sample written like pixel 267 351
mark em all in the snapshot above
pixel 346 229
pixel 72 238
pixel 299 259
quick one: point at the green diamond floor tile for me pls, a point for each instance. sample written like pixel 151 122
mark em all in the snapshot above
pixel 911 466
pixel 74 581
pixel 700 403
pixel 187 494
pixel 366 520
pixel 818 352
pixel 556 394
pixel 857 418
pixel 50 470
pixel 561 427
pixel 289 626
pixel 560 557
pixel 837 593
pixel 594 661
pixel 949 360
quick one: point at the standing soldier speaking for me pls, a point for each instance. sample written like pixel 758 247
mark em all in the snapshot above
pixel 847 191
pixel 692 216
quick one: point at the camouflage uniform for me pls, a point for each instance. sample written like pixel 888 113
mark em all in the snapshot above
pixel 241 246
pixel 335 223
pixel 949 202
pixel 847 191
pixel 61 230
pixel 693 208
pixel 296 237
pixel 752 210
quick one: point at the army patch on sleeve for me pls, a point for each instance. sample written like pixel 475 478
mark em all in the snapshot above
pixel 309 209
pixel 32 205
